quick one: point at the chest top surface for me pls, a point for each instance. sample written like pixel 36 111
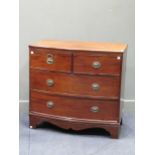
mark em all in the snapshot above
pixel 81 46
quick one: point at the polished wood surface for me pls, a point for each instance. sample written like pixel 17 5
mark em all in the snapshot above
pixel 62 61
pixel 75 84
pixel 82 46
pixel 110 63
pixel 75 124
pixel 68 90
pixel 74 107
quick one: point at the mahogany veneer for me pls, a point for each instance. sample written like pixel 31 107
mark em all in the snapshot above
pixel 76 85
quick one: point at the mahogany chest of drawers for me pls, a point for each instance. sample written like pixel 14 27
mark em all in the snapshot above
pixel 76 85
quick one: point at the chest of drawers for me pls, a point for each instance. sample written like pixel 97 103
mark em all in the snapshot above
pixel 76 85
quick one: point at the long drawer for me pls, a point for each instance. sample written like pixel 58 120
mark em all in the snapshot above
pixel 83 85
pixel 74 107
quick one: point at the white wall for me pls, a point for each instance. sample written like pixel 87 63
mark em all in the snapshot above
pixel 85 20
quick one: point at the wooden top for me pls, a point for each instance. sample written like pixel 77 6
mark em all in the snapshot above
pixel 82 46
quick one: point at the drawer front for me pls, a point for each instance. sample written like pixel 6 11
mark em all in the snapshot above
pixel 83 85
pixel 98 64
pixel 53 60
pixel 74 107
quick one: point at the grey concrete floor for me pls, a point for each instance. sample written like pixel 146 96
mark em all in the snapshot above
pixel 50 140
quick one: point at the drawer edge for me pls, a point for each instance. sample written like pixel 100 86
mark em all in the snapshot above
pixel 76 95
pixel 73 119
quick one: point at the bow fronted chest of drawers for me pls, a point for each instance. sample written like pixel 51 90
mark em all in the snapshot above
pixel 76 85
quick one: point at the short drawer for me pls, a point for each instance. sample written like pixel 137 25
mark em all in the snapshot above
pixel 74 107
pixel 76 85
pixel 100 64
pixel 48 59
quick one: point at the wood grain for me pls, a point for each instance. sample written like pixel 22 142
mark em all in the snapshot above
pixel 74 107
pixel 36 119
pixel 62 61
pixel 75 84
pixel 81 46
pixel 73 75
pixel 110 63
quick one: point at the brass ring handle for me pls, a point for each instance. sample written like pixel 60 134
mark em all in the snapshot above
pixel 94 109
pixel 49 59
pixel 95 86
pixel 96 64
pixel 50 104
pixel 50 82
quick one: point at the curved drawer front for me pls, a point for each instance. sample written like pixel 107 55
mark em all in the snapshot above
pixel 50 60
pixel 82 85
pixel 74 107
pixel 98 64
